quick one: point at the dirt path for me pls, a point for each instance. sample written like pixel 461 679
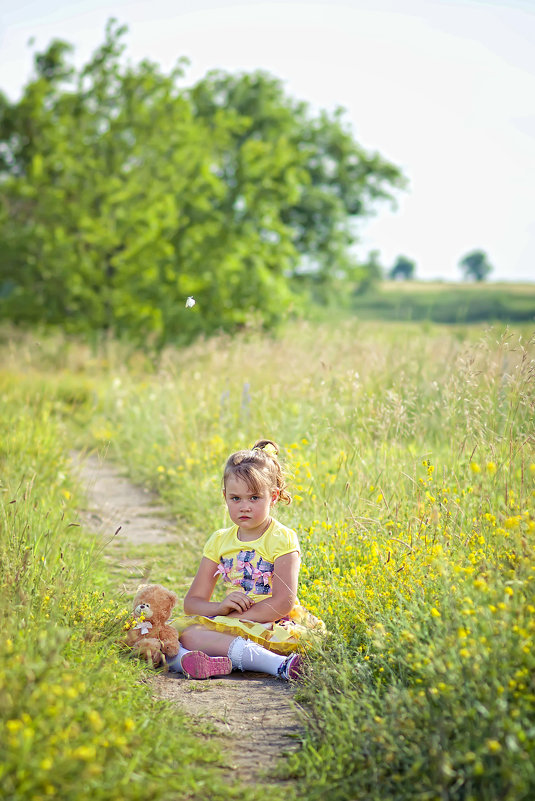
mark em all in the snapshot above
pixel 252 711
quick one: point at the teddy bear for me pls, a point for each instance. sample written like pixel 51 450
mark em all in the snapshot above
pixel 150 636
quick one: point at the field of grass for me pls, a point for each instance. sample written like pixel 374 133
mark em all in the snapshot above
pixel 411 454
pixel 77 720
pixel 473 287
pixel 448 302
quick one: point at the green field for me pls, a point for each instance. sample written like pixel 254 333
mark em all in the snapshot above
pixel 448 302
pixel 485 287
pixel 411 452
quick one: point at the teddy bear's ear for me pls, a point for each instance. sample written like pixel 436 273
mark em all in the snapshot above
pixel 141 587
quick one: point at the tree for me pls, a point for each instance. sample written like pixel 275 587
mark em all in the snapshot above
pixel 112 211
pixel 123 194
pixel 403 268
pixel 476 265
pixel 367 274
pixel 335 181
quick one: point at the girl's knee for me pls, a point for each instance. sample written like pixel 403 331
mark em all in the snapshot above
pixel 189 637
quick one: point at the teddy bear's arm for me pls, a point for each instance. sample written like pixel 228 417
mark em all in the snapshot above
pixel 149 648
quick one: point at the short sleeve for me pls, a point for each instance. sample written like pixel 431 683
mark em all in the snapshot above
pixel 284 541
pixel 212 548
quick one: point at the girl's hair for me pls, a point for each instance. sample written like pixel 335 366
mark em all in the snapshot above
pixel 259 468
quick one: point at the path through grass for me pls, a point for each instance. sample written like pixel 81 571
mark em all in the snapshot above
pixel 78 719
pixel 413 471
pixel 252 714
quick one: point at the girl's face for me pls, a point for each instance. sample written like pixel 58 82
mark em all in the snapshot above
pixel 247 509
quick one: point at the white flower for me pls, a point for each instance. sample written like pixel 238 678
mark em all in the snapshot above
pixel 190 302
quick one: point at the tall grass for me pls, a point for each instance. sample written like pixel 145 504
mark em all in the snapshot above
pixel 75 719
pixel 413 472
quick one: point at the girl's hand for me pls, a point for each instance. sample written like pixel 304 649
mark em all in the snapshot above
pixel 235 602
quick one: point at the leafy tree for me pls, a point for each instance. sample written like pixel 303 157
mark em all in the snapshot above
pixel 403 268
pixel 476 265
pixel 123 194
pixel 111 216
pixel 335 180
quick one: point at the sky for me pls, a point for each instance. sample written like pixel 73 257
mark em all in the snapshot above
pixel 445 89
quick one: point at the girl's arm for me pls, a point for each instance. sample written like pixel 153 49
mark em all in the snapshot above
pixel 284 592
pixel 197 600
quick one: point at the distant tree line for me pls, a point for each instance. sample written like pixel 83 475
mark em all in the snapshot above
pixel 475 265
pixel 123 193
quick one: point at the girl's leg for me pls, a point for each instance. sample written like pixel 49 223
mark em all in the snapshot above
pixel 248 655
pixel 213 643
pixel 244 654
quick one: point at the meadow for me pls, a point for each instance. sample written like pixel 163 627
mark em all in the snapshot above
pixel 410 451
pixel 448 302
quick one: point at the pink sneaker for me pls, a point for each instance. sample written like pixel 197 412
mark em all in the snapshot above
pixel 291 668
pixel 198 665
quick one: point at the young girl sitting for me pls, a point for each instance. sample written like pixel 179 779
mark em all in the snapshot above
pixel 259 623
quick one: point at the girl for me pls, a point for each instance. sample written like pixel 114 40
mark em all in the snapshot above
pixel 259 623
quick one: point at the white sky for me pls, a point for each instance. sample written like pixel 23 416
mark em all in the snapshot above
pixel 444 88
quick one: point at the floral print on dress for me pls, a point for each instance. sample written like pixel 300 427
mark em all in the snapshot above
pixel 224 567
pixel 244 561
pixel 263 580
pixel 245 566
pixel 242 572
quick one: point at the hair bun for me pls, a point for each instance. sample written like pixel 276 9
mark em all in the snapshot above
pixel 268 446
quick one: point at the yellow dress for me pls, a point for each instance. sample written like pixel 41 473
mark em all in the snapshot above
pixel 248 566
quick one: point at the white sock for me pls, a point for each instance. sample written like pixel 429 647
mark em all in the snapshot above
pixel 173 662
pixel 248 655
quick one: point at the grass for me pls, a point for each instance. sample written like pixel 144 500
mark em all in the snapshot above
pixel 76 716
pixel 473 287
pixel 413 472
pixel 448 303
